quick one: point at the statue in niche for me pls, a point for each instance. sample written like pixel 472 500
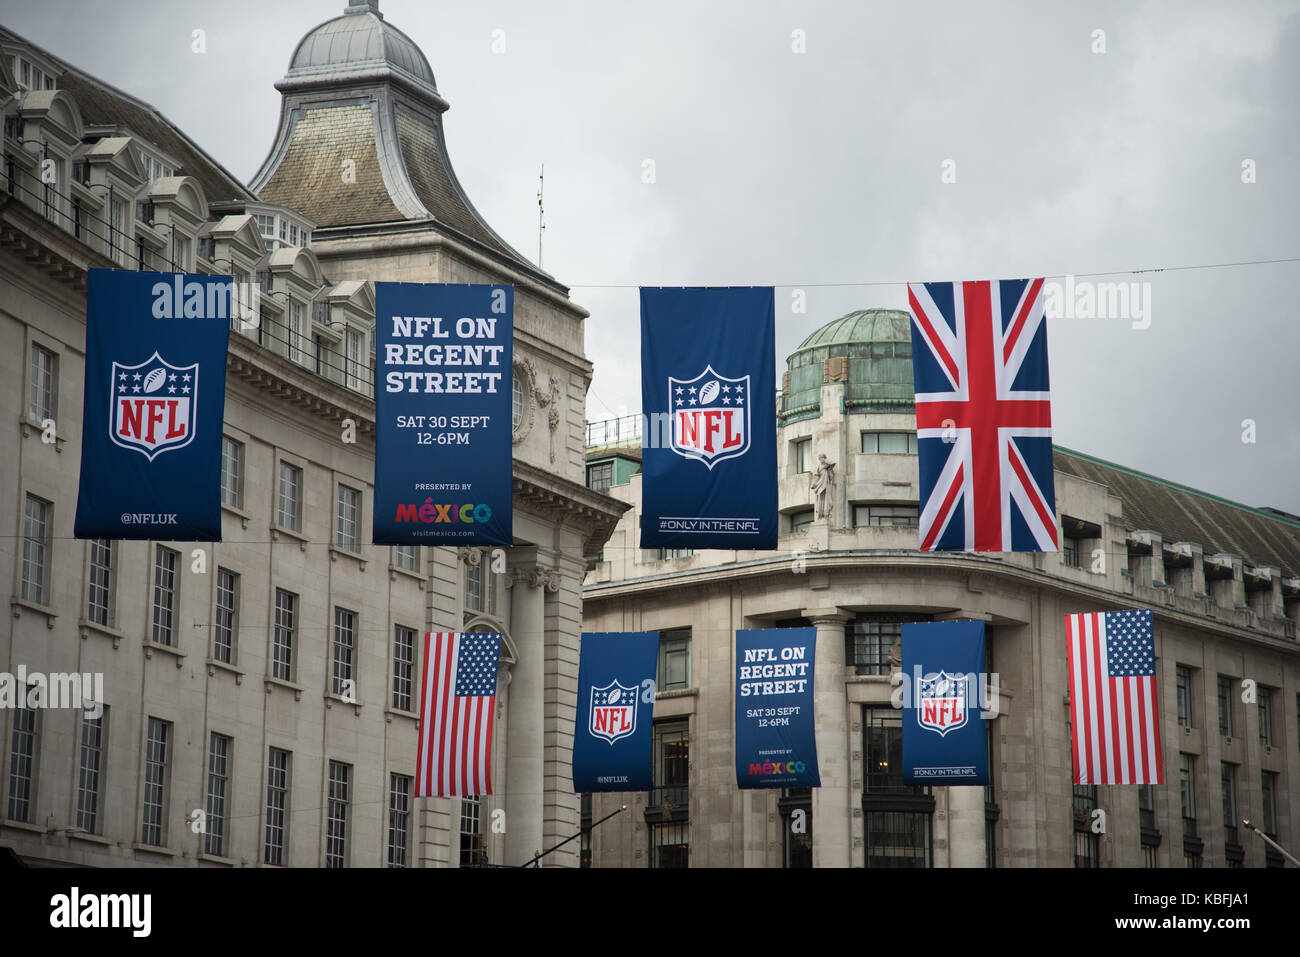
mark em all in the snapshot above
pixel 822 483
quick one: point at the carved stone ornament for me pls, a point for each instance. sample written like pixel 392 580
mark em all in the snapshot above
pixel 527 373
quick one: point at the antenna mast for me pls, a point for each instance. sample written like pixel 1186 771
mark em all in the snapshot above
pixel 541 214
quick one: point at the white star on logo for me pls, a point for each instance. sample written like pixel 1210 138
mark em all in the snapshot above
pixel 137 377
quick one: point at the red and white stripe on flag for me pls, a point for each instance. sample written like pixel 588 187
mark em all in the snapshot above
pixel 1114 708
pixel 457 705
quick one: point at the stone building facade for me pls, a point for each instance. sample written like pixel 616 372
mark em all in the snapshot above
pixel 262 692
pixel 1223 581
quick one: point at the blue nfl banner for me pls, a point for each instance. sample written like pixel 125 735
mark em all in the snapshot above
pixel 708 388
pixel 443 375
pixel 776 742
pixel 945 740
pixel 616 693
pixel 153 406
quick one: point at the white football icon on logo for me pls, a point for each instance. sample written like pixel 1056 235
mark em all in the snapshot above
pixel 709 392
pixel 612 697
pixel 154 380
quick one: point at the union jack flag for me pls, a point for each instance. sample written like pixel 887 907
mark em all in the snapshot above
pixel 983 416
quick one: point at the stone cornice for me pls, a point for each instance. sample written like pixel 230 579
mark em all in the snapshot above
pixel 560 499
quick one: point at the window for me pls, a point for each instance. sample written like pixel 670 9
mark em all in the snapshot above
pixel 516 401
pixel 1147 820
pixel 232 472
pixel 1187 792
pixel 897 816
pixel 336 827
pixel 90 776
pixel 22 758
pixel 164 595
pixel 1183 683
pixel 99 591
pixel 277 805
pixel 585 816
pixel 668 813
pixel 908 515
pixel 181 247
pixel 473 850
pixel 1069 551
pixel 225 626
pixel 345 636
pixel 1087 845
pixel 674 660
pixel 284 229
pixel 156 756
pixel 116 233
pixel 666 553
pixel 349 518
pixel 1268 792
pixel 43 390
pixel 352 342
pixel 407 557
pixel 214 835
pixel 265 225
pixel 803 455
pixel 1228 783
pixel 669 845
pixel 799 521
pixel 399 817
pixel 889 443
pixel 296 316
pixel 37 520
pixel 286 612
pixel 870 638
pixel 403 667
pixel 474 585
pixel 1225 705
pixel 289 509
pixel 795 805
pixel 1266 716
pixel 600 477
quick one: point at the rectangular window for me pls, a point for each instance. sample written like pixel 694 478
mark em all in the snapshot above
pixel 43 391
pixel 1183 684
pixel 99 591
pixel 225 626
pixel 352 343
pixel 473 852
pixel 1087 845
pixel 182 249
pixel 672 764
pixel 214 837
pixel 797 843
pixel 297 313
pixel 666 553
pixel 116 234
pixel 799 521
pixel 889 443
pixel 22 760
pixel 1268 791
pixel 600 477
pixel 266 225
pixel 399 818
pixel 345 639
pixel 90 775
pixel 403 667
pixel 669 844
pixel 1266 716
pixel 1069 551
pixel 1187 792
pixel 277 806
pixel 156 757
pixel 1228 783
pixel 336 830
pixel 906 515
pixel 286 614
pixel 349 518
pixel 407 557
pixel 164 595
pixel 1225 705
pixel 38 518
pixel 674 660
pixel 803 455
pixel 232 472
pixel 289 505
pixel 474 585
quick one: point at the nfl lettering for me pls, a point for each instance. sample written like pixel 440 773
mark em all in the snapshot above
pixel 153 405
pixel 710 416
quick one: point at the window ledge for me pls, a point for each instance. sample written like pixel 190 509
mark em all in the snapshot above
pixel 214 666
pixel 331 698
pixel 279 530
pixel 238 513
pixel 155 849
pixel 280 682
pixel 390 712
pixel 680 693
pixel 151 646
pixel 394 572
pixel 335 552
pixel 17 605
pixel 215 859
pixel 91 838
pixel 23 826
pixel 87 626
pixel 31 424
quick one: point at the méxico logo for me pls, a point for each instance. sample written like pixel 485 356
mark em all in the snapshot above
pixel 710 415
pixel 941 704
pixel 153 405
pixel 613 711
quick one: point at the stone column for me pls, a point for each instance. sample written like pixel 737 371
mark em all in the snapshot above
pixel 830 802
pixel 525 715
pixel 966 827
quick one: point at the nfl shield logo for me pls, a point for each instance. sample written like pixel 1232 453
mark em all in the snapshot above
pixel 710 416
pixel 613 711
pixel 942 702
pixel 153 405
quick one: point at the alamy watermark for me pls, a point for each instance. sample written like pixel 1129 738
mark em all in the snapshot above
pixel 35 689
pixel 1098 300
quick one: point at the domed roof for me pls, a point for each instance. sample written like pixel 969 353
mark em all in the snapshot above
pixel 358 41
pixel 863 325
pixel 872 353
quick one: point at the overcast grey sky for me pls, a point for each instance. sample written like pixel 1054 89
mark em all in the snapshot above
pixel 774 167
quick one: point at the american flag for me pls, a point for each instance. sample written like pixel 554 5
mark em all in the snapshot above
pixel 983 416
pixel 457 703
pixel 1114 711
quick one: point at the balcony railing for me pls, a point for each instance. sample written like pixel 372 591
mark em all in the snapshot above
pixel 622 431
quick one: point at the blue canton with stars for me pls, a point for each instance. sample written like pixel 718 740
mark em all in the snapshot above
pixel 476 666
pixel 1130 645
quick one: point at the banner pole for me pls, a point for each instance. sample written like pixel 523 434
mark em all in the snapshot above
pixel 533 862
